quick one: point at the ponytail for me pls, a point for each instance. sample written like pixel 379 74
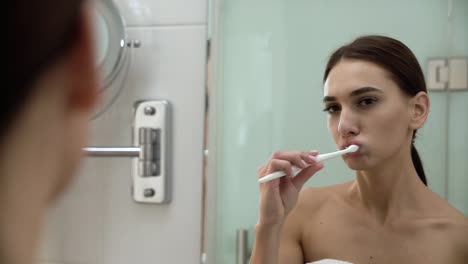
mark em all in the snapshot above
pixel 418 164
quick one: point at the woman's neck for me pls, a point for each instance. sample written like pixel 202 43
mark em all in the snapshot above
pixel 388 190
pixel 20 221
pixel 29 165
pixel 23 200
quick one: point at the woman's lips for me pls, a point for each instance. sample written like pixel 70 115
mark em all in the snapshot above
pixel 356 153
pixel 343 146
pixel 353 154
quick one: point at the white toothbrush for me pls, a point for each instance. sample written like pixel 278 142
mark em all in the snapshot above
pixel 320 158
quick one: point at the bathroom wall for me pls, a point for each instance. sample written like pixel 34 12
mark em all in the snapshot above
pixel 273 55
pixel 97 222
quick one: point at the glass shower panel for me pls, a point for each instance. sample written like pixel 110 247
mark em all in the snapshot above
pixel 273 57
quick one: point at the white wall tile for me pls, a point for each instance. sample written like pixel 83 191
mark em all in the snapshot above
pixel 163 12
pixel 169 65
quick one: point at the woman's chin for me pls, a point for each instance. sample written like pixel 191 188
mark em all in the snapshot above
pixel 355 167
pixel 355 164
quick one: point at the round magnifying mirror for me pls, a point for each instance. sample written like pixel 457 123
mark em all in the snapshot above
pixel 110 47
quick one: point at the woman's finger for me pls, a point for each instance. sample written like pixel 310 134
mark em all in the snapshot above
pixel 310 157
pixel 295 157
pixel 279 165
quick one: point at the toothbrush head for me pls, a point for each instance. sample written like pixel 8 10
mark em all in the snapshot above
pixel 352 148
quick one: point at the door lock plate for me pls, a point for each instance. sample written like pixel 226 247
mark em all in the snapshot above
pixel 150 172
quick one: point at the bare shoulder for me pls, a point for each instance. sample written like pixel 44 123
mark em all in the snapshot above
pixel 445 216
pixel 449 216
pixel 458 231
pixel 453 224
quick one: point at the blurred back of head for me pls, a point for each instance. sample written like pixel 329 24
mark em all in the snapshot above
pixel 38 33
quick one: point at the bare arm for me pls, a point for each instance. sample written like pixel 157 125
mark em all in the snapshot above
pixel 291 251
pixel 267 243
pixel 278 243
pixel 274 241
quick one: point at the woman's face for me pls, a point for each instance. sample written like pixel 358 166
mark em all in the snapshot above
pixel 367 108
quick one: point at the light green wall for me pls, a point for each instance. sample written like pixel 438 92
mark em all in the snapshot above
pixel 274 53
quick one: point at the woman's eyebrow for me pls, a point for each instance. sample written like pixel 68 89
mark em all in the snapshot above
pixel 329 99
pixel 363 90
pixel 354 93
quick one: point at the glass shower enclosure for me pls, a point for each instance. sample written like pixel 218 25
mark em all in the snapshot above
pixel 266 94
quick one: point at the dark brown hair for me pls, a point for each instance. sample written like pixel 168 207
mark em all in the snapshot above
pixel 38 33
pixel 397 59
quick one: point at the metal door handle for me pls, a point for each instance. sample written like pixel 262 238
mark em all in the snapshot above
pixel 112 152
pixel 242 251
pixel 149 153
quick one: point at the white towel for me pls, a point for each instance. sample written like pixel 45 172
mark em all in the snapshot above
pixel 329 261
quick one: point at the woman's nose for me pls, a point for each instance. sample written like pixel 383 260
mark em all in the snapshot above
pixel 347 125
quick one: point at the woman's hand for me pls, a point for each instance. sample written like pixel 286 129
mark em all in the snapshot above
pixel 278 197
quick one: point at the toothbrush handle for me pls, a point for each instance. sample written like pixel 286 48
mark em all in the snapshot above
pixel 278 174
pixel 296 170
pixel 323 157
pixel 272 176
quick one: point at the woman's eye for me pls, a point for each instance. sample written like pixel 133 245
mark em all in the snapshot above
pixel 331 109
pixel 366 102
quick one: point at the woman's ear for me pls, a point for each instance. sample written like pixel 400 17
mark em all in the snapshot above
pixel 419 109
pixel 83 72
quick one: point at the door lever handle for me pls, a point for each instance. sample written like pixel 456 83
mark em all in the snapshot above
pixel 130 152
pixel 149 153
pixel 242 251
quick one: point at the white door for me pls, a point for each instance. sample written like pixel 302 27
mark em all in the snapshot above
pixel 97 221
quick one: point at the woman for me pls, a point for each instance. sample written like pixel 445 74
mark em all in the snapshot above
pixel 48 95
pixel 375 97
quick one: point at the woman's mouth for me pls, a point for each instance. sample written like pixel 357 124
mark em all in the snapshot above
pixel 355 153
